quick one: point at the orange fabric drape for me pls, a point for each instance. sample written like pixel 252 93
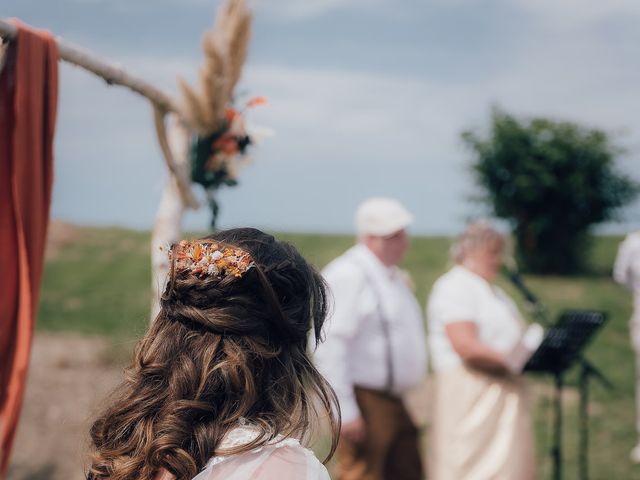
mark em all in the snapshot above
pixel 28 101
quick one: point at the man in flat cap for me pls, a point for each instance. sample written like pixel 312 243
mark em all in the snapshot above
pixel 374 350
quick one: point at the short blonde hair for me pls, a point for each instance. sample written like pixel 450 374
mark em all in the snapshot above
pixel 475 235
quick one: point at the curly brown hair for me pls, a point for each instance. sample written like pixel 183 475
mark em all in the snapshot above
pixel 221 350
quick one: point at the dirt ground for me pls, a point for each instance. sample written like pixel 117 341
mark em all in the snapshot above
pixel 59 234
pixel 68 378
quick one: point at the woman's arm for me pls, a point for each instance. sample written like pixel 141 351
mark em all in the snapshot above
pixel 464 339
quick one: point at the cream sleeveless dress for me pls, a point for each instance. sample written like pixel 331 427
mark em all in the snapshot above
pixel 481 427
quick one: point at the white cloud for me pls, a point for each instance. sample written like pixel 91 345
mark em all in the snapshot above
pixel 283 9
pixel 366 126
pixel 304 9
pixel 359 103
pixel 562 14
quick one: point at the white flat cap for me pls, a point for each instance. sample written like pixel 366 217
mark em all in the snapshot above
pixel 381 216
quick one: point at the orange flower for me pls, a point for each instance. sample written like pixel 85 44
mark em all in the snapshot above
pixel 226 144
pixel 203 258
pixel 197 252
pixel 255 101
pixel 230 114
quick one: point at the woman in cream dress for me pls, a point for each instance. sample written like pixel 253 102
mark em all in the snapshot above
pixel 481 421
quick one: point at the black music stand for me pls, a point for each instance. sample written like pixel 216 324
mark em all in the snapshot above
pixel 560 349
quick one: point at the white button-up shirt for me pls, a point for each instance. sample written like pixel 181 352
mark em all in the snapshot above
pixel 626 270
pixel 357 343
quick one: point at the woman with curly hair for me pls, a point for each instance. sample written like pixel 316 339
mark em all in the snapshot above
pixel 222 385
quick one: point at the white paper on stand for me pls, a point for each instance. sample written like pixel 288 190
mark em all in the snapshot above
pixel 531 339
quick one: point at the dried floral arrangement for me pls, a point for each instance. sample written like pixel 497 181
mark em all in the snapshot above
pixel 219 150
pixel 203 258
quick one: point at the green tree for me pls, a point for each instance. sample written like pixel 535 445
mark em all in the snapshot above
pixel 552 181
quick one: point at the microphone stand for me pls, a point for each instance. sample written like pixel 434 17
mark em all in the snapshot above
pixel 540 312
pixel 587 370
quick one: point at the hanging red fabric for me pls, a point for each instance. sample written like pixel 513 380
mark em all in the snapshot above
pixel 28 102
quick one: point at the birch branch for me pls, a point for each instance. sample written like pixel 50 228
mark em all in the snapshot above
pixel 167 228
pixel 112 74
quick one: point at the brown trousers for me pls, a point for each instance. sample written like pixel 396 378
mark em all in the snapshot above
pixel 390 448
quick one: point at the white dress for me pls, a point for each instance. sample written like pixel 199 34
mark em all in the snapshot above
pixel 626 271
pixel 281 459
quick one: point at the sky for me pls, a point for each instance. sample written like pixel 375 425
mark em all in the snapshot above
pixel 367 98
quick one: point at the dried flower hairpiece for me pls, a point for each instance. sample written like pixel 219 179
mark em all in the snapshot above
pixel 202 259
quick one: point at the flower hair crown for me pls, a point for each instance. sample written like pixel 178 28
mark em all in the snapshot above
pixel 210 259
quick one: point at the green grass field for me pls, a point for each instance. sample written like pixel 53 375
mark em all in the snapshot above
pixel 99 283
